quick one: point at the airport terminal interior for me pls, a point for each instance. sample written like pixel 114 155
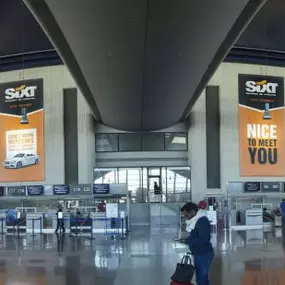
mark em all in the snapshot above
pixel 116 113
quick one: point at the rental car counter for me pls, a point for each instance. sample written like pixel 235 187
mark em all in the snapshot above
pixel 98 222
pixel 115 204
pixel 254 205
pixel 44 200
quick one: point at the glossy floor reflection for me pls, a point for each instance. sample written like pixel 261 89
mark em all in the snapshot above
pixel 146 257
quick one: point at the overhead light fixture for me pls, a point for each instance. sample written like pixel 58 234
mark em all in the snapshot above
pixel 267 115
pixel 24 116
pixel 179 140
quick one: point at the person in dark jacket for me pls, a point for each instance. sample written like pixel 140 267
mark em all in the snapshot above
pixel 199 241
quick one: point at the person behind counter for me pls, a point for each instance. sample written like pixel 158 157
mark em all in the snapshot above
pixel 101 207
pixel 267 217
pixel 60 221
pixel 11 214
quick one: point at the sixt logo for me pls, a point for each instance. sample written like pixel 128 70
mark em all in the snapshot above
pixel 20 92
pixel 262 86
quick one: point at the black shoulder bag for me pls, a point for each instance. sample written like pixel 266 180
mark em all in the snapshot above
pixel 184 270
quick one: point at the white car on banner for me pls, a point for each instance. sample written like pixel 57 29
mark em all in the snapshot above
pixel 21 159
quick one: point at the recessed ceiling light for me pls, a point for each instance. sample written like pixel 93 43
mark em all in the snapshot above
pixel 179 140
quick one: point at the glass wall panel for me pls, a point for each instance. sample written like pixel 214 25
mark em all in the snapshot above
pixel 170 181
pixel 178 179
pixel 153 141
pixel 163 179
pixel 105 175
pixel 164 184
pixel 145 184
pixel 106 142
pixel 122 174
pixel 130 142
pixel 174 182
pixel 134 181
pixel 176 141
pixel 154 171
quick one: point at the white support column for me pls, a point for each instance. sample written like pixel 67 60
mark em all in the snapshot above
pixel 197 149
pixel 86 142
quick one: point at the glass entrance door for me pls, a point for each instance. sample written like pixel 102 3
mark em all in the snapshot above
pixel 154 184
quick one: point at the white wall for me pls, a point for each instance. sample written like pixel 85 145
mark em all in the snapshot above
pixel 55 79
pixel 86 142
pixel 197 149
pixel 226 78
pixel 142 158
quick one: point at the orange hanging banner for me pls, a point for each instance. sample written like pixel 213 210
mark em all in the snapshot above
pixel 261 125
pixel 22 131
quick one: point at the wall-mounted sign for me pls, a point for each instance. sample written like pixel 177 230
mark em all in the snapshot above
pixel 112 211
pixel 16 190
pixel 48 190
pixel 60 189
pixel 261 125
pixel 252 186
pixel 81 189
pixel 35 190
pixel 2 191
pixel 270 187
pixel 101 189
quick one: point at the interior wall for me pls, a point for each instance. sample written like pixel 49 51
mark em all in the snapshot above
pixel 226 77
pixel 55 79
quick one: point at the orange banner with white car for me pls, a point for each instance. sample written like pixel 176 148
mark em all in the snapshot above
pixel 22 131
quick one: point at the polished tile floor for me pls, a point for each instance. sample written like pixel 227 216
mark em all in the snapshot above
pixel 145 257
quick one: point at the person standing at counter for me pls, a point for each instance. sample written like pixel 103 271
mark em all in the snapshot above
pixel 202 205
pixel 11 214
pixel 102 207
pixel 60 221
pixel 282 207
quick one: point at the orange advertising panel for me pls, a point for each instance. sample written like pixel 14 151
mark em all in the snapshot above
pixel 261 125
pixel 22 131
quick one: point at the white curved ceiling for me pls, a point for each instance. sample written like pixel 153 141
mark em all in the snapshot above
pixel 141 64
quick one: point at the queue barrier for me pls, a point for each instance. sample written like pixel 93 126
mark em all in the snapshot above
pixel 33 224
pixel 2 225
pixel 80 225
pixel 17 224
pixel 115 227
pixel 127 225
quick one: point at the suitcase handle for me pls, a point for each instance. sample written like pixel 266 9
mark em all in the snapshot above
pixel 186 259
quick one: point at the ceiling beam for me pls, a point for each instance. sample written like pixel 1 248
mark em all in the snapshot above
pixel 45 18
pixel 244 19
